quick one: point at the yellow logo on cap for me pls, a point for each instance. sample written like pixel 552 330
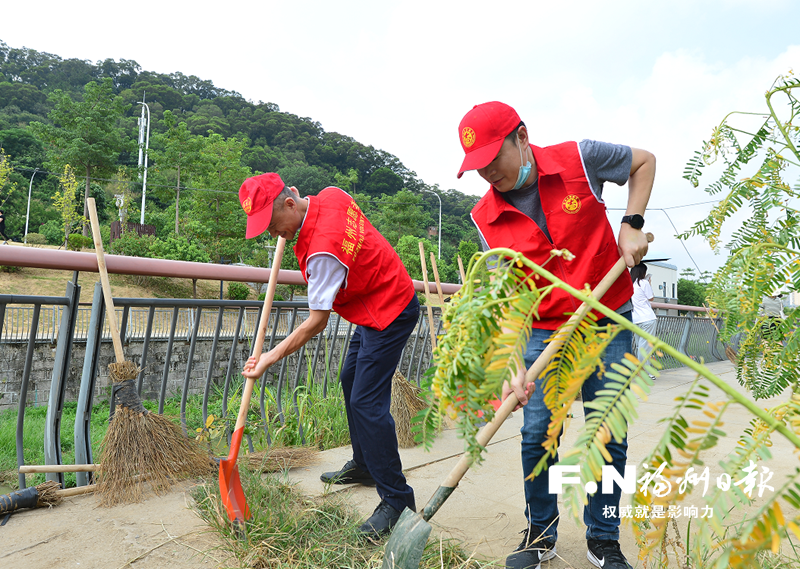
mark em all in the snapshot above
pixel 247 205
pixel 571 204
pixel 468 136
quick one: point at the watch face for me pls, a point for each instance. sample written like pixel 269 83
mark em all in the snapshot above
pixel 636 221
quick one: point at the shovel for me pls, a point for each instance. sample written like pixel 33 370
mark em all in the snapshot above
pixel 230 486
pixel 407 543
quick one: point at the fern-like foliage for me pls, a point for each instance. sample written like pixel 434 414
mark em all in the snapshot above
pixel 486 330
pixel 611 412
pixel 764 249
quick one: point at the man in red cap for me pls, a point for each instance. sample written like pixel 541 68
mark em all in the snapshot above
pixel 352 269
pixel 542 199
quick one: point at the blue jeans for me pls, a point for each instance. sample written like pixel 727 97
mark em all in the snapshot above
pixel 541 506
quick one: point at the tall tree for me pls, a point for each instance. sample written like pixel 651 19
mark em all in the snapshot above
pixel 399 215
pixel 408 251
pixel 66 202
pixel 216 217
pixel 177 157
pixel 85 134
pixel 7 187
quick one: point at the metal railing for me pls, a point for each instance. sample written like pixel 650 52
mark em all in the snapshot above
pixel 226 324
pixel 180 325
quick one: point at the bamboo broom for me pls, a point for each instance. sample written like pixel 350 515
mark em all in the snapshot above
pixel 138 445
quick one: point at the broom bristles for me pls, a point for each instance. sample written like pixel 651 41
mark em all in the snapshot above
pixel 406 403
pixel 142 447
pixel 48 494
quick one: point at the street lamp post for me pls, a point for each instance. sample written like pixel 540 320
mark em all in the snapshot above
pixel 28 212
pixel 440 220
pixel 146 146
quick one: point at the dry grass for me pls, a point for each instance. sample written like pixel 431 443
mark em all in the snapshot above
pixel 279 458
pixel 406 403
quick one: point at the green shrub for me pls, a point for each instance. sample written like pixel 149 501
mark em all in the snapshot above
pixel 53 231
pixel 132 245
pixel 76 242
pixel 36 239
pixel 10 269
pixel 277 297
pixel 238 291
pixel 178 248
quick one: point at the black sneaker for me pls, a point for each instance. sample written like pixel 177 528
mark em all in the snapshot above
pixel 606 554
pixel 381 521
pixel 350 473
pixel 532 551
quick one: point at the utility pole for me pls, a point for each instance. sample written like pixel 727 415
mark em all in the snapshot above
pixel 144 142
pixel 28 212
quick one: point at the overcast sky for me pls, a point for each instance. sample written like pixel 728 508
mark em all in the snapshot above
pixel 400 75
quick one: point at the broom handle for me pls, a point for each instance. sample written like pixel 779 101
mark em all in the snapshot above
pixel 487 432
pixel 67 492
pixel 258 345
pixel 427 294
pixel 438 282
pixel 37 468
pixel 101 267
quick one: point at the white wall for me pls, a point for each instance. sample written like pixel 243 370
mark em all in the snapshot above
pixel 664 281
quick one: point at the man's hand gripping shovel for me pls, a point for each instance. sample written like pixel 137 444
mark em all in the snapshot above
pixel 407 543
pixel 230 486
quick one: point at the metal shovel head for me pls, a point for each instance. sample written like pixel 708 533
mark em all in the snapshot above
pixel 230 486
pixel 407 543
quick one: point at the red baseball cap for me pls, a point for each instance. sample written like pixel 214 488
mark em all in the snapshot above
pixel 482 131
pixel 256 196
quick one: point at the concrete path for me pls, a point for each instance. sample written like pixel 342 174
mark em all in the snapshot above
pixel 486 510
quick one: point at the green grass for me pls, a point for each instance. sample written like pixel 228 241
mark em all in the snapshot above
pixel 323 421
pixel 291 531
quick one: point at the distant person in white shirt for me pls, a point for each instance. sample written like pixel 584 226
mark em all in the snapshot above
pixel 771 308
pixel 643 315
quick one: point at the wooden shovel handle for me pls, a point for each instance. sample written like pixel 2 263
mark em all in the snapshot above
pixel 258 345
pixel 427 294
pixel 438 282
pixel 101 267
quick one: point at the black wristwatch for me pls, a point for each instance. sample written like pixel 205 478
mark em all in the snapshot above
pixel 636 221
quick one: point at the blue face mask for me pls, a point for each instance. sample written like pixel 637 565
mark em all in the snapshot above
pixel 524 171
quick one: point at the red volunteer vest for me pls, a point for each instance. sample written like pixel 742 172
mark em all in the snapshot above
pixel 576 221
pixel 377 287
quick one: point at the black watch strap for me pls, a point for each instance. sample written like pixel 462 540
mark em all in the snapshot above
pixel 636 221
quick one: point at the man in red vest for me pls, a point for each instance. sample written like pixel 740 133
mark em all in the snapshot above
pixel 352 269
pixel 542 199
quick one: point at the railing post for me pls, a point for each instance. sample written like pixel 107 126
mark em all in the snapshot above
pixel 83 414
pixel 687 328
pixel 58 385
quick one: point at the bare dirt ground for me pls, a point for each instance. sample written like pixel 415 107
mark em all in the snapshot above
pixel 163 532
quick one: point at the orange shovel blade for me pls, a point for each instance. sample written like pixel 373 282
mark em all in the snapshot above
pixel 230 486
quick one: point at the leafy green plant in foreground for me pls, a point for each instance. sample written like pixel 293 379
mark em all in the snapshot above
pixel 486 328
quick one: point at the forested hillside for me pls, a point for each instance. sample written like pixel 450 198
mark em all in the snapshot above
pixel 203 141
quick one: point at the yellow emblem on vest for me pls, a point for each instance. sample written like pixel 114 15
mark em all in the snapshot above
pixel 468 136
pixel 571 204
pixel 247 205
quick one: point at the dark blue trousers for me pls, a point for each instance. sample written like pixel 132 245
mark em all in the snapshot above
pixel 367 385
